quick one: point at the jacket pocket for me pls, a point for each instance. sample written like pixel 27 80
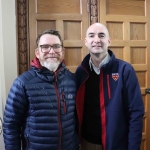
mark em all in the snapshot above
pixel 64 103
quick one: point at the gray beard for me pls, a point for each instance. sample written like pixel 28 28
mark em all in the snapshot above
pixel 51 66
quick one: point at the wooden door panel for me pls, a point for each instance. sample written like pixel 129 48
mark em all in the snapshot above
pixel 118 51
pixel 129 28
pixel 125 7
pixel 58 6
pixel 69 17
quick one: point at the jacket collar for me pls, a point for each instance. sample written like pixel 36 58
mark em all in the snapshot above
pixel 85 62
pixel 46 74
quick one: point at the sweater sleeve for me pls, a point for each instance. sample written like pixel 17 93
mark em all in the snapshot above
pixel 135 109
pixel 14 115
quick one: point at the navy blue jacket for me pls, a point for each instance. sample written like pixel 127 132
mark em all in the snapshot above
pixel 40 110
pixel 121 105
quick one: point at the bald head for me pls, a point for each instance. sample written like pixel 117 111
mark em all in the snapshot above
pixel 97 26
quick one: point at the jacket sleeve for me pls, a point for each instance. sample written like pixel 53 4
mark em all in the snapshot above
pixel 134 109
pixel 14 114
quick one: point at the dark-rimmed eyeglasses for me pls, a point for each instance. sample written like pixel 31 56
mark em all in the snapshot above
pixel 46 48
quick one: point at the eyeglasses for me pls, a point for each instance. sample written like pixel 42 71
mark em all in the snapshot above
pixel 46 48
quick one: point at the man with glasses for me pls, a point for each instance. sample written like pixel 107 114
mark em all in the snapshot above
pixel 40 109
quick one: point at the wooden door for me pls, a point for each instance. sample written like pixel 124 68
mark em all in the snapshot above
pixel 70 17
pixel 129 27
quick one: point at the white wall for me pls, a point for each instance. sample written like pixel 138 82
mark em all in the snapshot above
pixel 8 50
pixel 8 53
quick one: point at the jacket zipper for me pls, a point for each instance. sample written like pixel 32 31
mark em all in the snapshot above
pixel 64 102
pixel 108 87
pixel 59 119
pixel 27 141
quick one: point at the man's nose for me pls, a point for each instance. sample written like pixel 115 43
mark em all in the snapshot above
pixel 96 39
pixel 51 50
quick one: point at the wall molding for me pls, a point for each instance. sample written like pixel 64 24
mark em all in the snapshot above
pixel 22 28
pixel 93 11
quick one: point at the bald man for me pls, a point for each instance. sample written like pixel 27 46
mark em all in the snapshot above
pixel 109 102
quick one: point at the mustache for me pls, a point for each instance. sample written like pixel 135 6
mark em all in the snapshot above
pixel 51 56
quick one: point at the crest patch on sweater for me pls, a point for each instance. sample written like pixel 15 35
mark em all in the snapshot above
pixel 115 76
pixel 70 96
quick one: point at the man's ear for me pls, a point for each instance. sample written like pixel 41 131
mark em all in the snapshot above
pixel 37 53
pixel 85 42
pixel 109 41
pixel 63 50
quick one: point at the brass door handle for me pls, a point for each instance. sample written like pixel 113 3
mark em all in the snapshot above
pixel 0 126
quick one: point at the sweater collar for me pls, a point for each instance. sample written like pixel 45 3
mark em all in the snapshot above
pixel 104 61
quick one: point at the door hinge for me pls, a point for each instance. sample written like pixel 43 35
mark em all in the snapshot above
pixel 147 91
pixel 88 7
